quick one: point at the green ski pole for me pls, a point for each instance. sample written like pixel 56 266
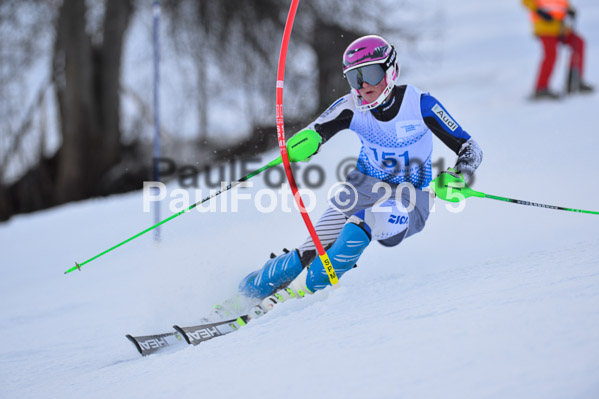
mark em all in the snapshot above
pixel 453 189
pixel 301 147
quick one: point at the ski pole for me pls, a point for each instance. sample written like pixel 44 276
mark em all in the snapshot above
pixel 222 190
pixel 303 144
pixel 452 189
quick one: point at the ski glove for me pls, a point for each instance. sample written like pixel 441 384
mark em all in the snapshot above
pixel 541 12
pixel 303 145
pixel 469 158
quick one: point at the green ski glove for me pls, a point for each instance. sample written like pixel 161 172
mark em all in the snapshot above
pixel 450 186
pixel 303 145
pixel 300 147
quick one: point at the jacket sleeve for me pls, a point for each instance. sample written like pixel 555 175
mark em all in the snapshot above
pixel 444 126
pixel 336 118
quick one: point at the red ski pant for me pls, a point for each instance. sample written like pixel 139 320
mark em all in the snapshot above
pixel 550 43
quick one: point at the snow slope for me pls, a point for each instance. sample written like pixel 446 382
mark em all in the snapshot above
pixel 496 301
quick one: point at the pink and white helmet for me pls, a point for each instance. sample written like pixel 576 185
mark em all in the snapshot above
pixel 370 59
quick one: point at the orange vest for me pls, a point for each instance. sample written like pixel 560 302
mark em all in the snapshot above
pixel 557 8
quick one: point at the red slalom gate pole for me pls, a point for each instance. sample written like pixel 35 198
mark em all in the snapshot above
pixel 283 145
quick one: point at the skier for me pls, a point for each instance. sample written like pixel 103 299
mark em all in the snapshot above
pixel 549 17
pixel 396 125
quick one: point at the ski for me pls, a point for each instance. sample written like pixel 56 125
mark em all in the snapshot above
pixel 194 335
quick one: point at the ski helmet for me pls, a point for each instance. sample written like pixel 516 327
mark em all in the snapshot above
pixel 370 59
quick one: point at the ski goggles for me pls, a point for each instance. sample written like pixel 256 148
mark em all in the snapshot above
pixel 371 74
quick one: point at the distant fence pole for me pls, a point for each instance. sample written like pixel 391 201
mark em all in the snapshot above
pixel 156 152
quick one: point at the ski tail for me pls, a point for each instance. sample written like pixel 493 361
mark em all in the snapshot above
pixel 148 344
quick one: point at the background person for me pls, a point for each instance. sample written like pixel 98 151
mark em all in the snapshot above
pixel 549 22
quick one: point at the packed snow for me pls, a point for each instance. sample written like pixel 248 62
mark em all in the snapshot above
pixel 495 300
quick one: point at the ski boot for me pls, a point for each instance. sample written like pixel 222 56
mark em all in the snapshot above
pixel 276 273
pixel 344 254
pixel 545 94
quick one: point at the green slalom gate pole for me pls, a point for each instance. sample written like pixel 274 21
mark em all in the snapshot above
pixel 301 146
pixel 449 188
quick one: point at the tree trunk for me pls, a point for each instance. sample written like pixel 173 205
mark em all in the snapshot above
pixel 87 81
pixel 73 77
